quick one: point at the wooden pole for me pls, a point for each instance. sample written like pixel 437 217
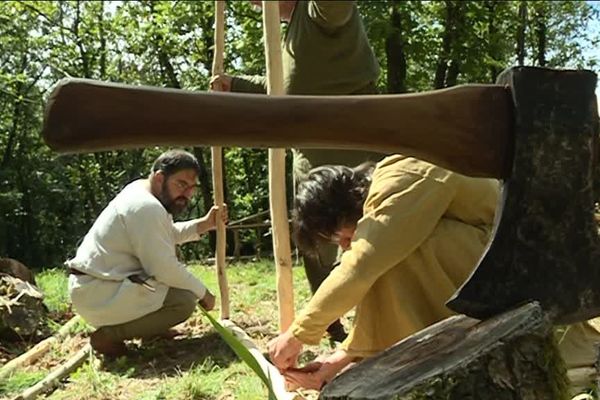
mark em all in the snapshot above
pixel 277 198
pixel 52 379
pixel 217 166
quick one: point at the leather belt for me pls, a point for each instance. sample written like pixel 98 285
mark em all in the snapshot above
pixel 76 272
pixel 133 278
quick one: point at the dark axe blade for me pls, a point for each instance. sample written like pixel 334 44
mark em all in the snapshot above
pixel 545 246
pixel 465 128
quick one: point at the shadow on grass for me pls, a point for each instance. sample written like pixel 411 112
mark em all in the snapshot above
pixel 172 357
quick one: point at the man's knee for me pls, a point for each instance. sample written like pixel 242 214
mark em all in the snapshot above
pixel 181 301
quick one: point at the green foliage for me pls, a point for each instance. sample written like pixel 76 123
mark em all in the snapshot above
pixel 201 382
pixel 241 351
pixel 48 202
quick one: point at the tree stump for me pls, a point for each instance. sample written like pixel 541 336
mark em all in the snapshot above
pixel 21 308
pixel 511 356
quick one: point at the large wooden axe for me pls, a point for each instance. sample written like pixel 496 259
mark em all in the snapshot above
pixel 536 131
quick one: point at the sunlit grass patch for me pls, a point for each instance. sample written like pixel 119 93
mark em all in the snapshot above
pixel 53 283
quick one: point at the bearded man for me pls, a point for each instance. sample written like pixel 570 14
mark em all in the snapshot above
pixel 125 279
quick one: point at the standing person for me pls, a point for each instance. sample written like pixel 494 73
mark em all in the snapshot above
pixel 412 231
pixel 325 52
pixel 125 279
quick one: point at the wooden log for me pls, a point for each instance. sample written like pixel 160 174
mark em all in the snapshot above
pixel 39 349
pixel 511 356
pixel 277 193
pixel 250 226
pixel 277 380
pixel 52 379
pixel 259 214
pixel 233 259
pixel 217 167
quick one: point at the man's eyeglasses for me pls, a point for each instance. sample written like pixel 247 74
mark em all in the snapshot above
pixel 184 186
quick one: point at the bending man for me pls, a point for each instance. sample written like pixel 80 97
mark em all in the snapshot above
pixel 412 232
pixel 126 279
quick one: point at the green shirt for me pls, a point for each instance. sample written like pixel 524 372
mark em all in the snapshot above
pixel 325 52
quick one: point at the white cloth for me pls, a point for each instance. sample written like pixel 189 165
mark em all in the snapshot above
pixel 134 234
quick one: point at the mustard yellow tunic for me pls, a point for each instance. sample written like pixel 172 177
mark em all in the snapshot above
pixel 422 233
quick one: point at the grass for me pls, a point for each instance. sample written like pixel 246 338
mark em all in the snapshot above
pixel 197 366
pixel 53 283
pixel 19 381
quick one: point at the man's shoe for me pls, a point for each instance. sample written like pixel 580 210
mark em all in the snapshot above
pixel 103 345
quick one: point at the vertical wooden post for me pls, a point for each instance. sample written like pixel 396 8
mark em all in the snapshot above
pixel 217 166
pixel 277 198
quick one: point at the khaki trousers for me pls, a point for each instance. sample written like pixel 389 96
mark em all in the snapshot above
pixel 579 347
pixel 579 344
pixel 178 306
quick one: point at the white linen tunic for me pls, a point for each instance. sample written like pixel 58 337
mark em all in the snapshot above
pixel 134 234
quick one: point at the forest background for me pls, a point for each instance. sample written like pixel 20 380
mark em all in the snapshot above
pixel 48 201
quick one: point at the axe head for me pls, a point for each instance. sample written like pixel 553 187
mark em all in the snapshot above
pixel 545 245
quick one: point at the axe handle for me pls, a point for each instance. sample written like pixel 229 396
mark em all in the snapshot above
pixel 217 167
pixel 465 128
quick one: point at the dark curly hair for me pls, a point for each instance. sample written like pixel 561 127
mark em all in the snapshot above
pixel 330 197
pixel 173 161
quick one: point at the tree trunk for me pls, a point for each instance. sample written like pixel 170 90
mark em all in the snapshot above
pixel 445 74
pixel 167 70
pixel 540 35
pixel 102 41
pixel 492 31
pixel 511 356
pixel 29 252
pixel 12 134
pixel 453 72
pixel 85 65
pixel 521 49
pixel 394 50
pixel 596 175
pixel 442 65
